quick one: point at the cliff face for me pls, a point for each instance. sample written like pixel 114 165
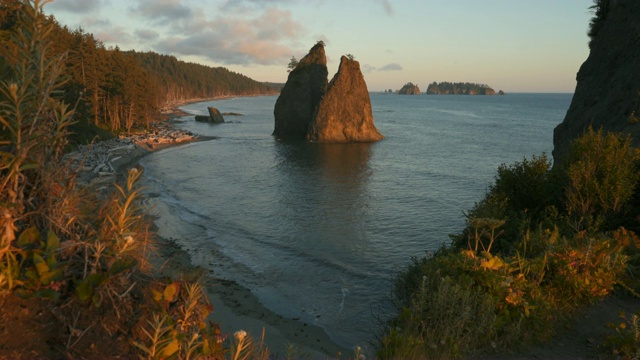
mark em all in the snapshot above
pixel 607 93
pixel 409 89
pixel 301 94
pixel 344 113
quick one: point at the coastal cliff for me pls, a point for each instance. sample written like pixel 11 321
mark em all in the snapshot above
pixel 409 89
pixel 447 88
pixel 607 94
pixel 306 85
pixel 344 113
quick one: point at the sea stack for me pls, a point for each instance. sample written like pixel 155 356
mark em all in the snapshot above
pixel 301 94
pixel 344 113
pixel 608 83
pixel 409 89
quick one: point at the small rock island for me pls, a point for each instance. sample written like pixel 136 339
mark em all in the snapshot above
pixel 409 89
pixel 447 88
pixel 311 108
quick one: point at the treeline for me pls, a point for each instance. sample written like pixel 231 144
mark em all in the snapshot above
pixel 459 88
pixel 179 80
pixel 118 90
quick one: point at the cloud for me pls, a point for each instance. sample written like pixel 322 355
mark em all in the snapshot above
pixel 240 5
pixel 386 5
pixel 147 35
pixel 366 68
pixel 235 40
pixel 76 6
pixel 117 36
pixel 390 67
pixel 162 10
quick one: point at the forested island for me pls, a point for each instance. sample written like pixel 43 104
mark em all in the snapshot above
pixel 459 88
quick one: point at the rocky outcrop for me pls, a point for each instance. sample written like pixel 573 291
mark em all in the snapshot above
pixel 214 116
pixel 608 83
pixel 344 113
pixel 299 97
pixel 501 92
pixel 409 89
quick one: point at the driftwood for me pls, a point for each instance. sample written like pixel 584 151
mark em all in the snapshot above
pixel 96 161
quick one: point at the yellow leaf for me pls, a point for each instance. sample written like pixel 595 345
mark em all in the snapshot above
pixel 157 295
pixel 171 348
pixel 492 263
pixel 171 292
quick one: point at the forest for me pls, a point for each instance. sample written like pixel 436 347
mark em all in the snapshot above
pixel 119 90
pixel 459 88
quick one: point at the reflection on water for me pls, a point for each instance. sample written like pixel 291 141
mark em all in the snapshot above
pixel 336 195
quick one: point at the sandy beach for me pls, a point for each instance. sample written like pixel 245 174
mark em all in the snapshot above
pixel 235 307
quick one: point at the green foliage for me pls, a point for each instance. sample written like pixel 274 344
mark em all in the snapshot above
pixel 32 138
pixel 524 261
pixel 602 176
pixel 524 193
pixel 462 303
pixel 293 63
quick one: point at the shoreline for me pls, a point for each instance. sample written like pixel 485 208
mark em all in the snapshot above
pixel 235 307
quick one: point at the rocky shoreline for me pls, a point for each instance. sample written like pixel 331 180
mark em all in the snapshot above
pixel 102 164
pixel 99 164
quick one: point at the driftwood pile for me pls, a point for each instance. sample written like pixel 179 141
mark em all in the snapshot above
pixel 99 162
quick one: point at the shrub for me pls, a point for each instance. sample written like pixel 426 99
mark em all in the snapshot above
pixel 602 177
pixel 524 194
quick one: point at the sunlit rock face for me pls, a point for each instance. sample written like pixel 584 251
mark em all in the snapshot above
pixel 298 100
pixel 607 93
pixel 344 113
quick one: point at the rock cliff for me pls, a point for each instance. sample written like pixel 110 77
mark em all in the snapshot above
pixel 409 89
pixel 344 113
pixel 607 93
pixel 301 94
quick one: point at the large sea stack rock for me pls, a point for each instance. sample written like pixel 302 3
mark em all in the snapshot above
pixel 215 115
pixel 301 94
pixel 344 113
pixel 608 88
pixel 409 89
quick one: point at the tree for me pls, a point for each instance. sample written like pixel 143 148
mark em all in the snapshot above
pixel 292 64
pixel 350 57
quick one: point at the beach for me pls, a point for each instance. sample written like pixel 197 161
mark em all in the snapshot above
pixel 235 307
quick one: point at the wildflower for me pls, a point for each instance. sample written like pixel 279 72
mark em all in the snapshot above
pixel 128 240
pixel 240 335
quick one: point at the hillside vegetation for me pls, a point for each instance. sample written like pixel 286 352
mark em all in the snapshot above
pixel 117 90
pixel 447 88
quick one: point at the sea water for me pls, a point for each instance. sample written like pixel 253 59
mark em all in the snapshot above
pixel 318 231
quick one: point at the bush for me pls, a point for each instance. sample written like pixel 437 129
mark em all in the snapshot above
pixel 602 177
pixel 523 195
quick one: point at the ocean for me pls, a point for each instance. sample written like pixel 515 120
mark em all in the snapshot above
pixel 318 231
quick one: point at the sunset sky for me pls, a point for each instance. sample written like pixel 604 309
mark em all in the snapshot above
pixel 514 45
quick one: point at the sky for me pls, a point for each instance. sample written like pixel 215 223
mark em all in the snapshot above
pixel 512 45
